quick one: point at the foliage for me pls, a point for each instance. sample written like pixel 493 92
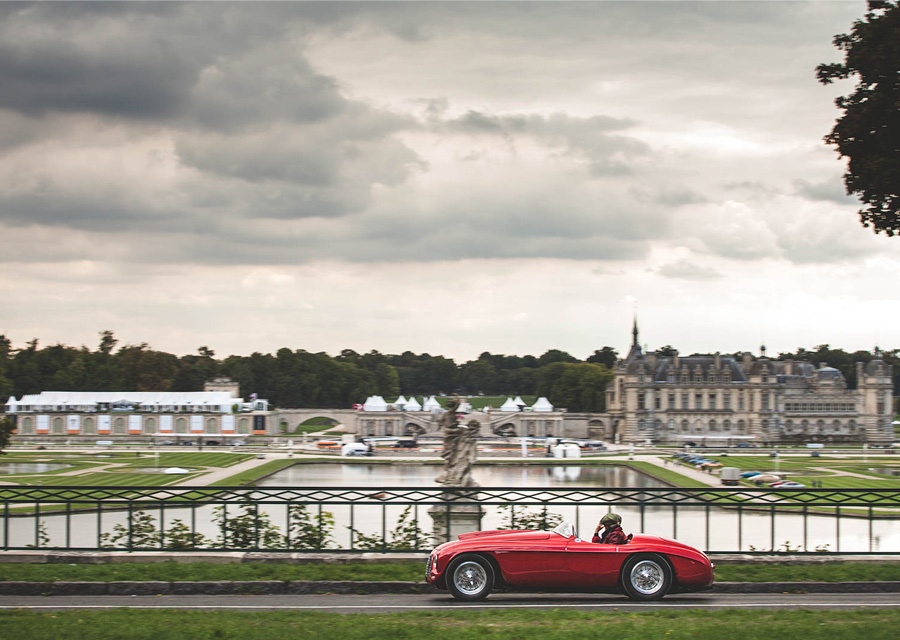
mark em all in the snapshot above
pixel 530 519
pixel 306 531
pixel 6 428
pixel 180 536
pixel 406 535
pixel 868 133
pixel 141 534
pixel 43 536
pixel 575 386
pixel 250 529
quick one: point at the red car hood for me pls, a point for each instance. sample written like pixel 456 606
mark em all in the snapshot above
pixel 506 535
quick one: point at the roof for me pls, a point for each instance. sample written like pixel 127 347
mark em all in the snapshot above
pixel 666 365
pixel 164 398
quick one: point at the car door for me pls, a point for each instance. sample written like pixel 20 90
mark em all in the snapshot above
pixel 593 565
pixel 535 563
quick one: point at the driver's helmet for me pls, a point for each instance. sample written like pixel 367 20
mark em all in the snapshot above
pixel 610 519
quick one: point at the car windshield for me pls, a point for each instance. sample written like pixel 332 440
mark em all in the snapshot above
pixel 565 528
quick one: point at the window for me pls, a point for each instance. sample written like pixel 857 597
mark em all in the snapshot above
pixel 764 401
pixel 726 401
pixel 641 401
pixel 698 401
pixel 658 404
pixel 671 401
pixel 712 400
pixel 741 401
pixel 726 425
pixel 685 377
pixel 698 375
pixel 713 426
pixel 684 400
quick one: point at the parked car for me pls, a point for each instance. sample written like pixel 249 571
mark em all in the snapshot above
pixel 646 568
pixel 787 484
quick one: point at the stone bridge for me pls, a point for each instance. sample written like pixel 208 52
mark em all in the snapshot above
pixel 413 423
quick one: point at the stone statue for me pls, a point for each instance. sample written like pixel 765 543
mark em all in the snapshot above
pixel 460 448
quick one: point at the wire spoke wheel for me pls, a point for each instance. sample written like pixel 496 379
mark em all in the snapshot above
pixel 471 577
pixel 646 577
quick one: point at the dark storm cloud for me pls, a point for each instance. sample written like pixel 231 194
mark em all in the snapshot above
pixel 90 57
pixel 219 66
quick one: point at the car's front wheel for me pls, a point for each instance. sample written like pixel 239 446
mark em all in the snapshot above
pixel 470 577
pixel 646 577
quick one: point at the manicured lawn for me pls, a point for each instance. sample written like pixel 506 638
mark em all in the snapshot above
pixel 247 477
pixel 192 459
pixel 691 624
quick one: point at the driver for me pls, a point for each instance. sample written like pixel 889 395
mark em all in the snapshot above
pixel 611 524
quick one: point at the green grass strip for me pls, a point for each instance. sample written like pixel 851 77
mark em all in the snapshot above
pixel 692 624
pixel 405 571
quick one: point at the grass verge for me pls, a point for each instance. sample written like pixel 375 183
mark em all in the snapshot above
pixel 411 571
pixel 690 624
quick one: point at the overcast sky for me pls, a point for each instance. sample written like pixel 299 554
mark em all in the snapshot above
pixel 449 178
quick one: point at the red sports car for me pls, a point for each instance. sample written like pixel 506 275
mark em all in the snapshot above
pixel 646 568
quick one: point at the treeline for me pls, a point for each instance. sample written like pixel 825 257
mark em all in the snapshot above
pixel 301 379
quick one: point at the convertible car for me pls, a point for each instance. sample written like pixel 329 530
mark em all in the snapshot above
pixel 645 568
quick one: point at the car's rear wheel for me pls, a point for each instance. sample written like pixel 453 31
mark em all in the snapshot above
pixel 470 577
pixel 646 577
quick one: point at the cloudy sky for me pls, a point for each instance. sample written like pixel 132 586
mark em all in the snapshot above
pixel 443 177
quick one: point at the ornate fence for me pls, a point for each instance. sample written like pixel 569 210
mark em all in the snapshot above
pixel 348 519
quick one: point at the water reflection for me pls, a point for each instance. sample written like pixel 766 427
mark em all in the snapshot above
pixel 14 468
pixel 410 475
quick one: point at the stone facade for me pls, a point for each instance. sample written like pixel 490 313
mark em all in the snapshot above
pixel 673 399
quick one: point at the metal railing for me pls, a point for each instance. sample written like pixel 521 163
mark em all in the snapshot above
pixel 346 519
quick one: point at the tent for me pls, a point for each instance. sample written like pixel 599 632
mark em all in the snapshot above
pixel 431 405
pixel 519 402
pixel 542 404
pixel 510 405
pixel 375 403
pixel 413 405
pixel 400 403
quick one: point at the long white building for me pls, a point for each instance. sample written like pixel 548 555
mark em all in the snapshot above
pixel 122 413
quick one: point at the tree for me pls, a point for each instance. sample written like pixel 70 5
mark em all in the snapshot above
pixel 868 133
pixel 6 428
pixel 606 356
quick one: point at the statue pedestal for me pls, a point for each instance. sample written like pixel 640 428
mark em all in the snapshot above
pixel 454 518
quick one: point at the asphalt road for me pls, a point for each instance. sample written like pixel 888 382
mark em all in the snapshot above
pixel 382 603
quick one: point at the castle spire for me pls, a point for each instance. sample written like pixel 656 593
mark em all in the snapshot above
pixel 634 332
